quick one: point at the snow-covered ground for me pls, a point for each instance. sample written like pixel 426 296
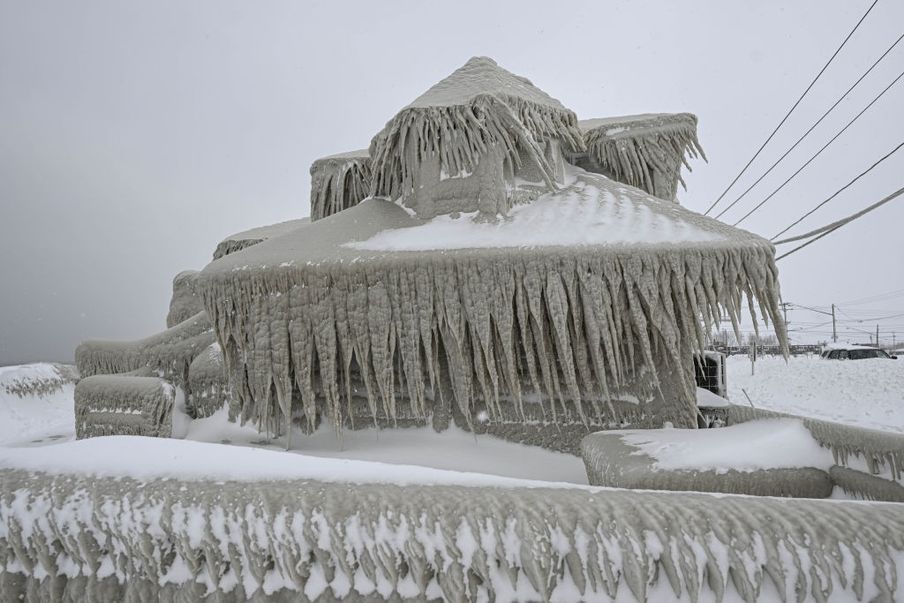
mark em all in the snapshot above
pixel 867 393
pixel 36 403
pixel 36 410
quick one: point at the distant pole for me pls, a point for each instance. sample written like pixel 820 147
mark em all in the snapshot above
pixel 877 336
pixel 834 332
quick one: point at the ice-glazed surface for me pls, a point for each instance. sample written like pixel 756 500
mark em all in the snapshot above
pixel 381 541
pixel 764 444
pixel 478 107
pixel 583 321
pixel 253 236
pixel 592 210
pixel 338 182
pixel 145 458
pixel 646 151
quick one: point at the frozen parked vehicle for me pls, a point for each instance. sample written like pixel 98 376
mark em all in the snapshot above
pixel 854 352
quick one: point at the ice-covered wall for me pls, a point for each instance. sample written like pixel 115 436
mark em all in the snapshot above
pixel 184 303
pixel 135 540
pixel 301 317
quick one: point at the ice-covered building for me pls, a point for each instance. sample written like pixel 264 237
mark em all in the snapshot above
pixel 484 282
pixel 463 271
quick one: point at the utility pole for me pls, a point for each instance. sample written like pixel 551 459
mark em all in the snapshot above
pixel 877 336
pixel 785 310
pixel 834 332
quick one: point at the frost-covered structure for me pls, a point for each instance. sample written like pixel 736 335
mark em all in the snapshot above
pixel 339 182
pixel 366 317
pixel 646 151
pixel 465 143
pixel 463 271
pixel 313 540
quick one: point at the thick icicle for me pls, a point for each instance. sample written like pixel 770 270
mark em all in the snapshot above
pixel 595 336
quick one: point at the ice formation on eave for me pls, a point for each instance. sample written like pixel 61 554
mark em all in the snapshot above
pixel 646 151
pixel 305 319
pixel 339 182
pixel 478 107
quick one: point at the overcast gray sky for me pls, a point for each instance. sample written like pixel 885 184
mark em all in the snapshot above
pixel 134 136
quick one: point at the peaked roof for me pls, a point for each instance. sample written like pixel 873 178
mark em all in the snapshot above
pixel 479 105
pixel 479 76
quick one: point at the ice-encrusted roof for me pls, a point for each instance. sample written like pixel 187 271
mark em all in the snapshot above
pixel 339 181
pixel 630 125
pixel 596 210
pixel 253 236
pixel 633 147
pixel 479 105
pixel 479 76
pixel 358 154
pixel 592 212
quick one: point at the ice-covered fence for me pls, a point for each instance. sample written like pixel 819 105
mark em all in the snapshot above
pixel 457 542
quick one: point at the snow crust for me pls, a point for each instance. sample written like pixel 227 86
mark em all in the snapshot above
pixel 144 458
pixel 592 210
pixel 751 446
pixel 866 393
pixel 706 398
pixel 35 403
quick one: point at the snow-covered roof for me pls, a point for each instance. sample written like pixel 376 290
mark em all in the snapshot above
pixel 478 105
pixel 847 346
pixel 253 236
pixel 597 211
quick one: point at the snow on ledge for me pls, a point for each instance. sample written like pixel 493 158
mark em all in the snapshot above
pixel 751 446
pixel 145 458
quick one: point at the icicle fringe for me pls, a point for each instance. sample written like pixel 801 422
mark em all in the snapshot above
pixel 571 327
pixel 879 449
pixel 339 182
pixel 634 155
pixel 460 134
pixel 318 540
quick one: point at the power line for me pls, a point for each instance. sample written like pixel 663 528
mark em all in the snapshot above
pixel 819 152
pixel 874 298
pixel 793 107
pixel 807 133
pixel 835 194
pixel 830 228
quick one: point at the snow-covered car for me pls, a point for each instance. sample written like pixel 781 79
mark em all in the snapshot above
pixel 854 352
